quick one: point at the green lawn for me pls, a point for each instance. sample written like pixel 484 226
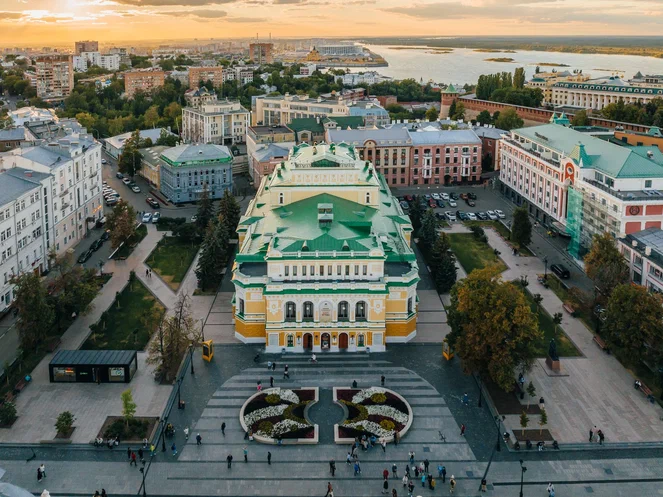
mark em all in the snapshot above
pixel 502 230
pixel 473 254
pixel 171 259
pixel 130 244
pixel 565 347
pixel 123 327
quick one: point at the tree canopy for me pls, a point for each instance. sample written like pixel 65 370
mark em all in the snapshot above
pixel 508 120
pixel 521 229
pixel 121 222
pixel 605 265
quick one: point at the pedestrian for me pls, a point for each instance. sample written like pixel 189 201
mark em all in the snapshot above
pixel 396 437
pixel 430 481
pixel 354 383
pixel 150 272
pixel 147 273
pixel 133 459
pixel 348 460
pixel 332 467
pixel 223 429
pixel 329 489
pixel 421 467
pixel 269 365
pixel 271 382
pixel 426 464
pixel 43 470
pixel 601 437
pixel 410 488
pixel 285 373
pixel 411 457
pixel 423 480
pixel 462 430
pixel 466 399
pixel 542 403
pixel 96 493
pixel 483 484
pixel 152 449
pixel 416 471
pixel 140 455
pixel 444 474
pixel 174 449
pixel 385 474
pixel 274 366
pixel 394 493
pixel 406 480
pixel 186 433
pixel 385 487
pixel 269 458
pixel 407 470
pixel 382 380
pixel 383 443
pixel 551 487
pixel 357 468
pixel 129 453
pixel 259 386
pixel 199 439
pixel 452 484
pixel 230 460
pixel 246 454
pixel 103 493
pixel 394 470
pixel 521 380
pixel 39 474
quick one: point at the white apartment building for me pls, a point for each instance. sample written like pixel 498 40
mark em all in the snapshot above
pixel 643 252
pixel 223 122
pixel 86 59
pixel 270 111
pixel 75 164
pixel 54 76
pixel 243 75
pixel 597 93
pixel 24 202
pixel 31 115
pixel 368 77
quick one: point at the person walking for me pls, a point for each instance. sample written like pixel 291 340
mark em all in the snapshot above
pixel 462 430
pixel 444 474
pixel 43 470
pixel 223 429
pixel 466 399
pixel 385 487
pixel 601 437
pixel 285 373
pixel 411 454
pixel 269 458
pixel 406 480
pixel 430 481
pixel 133 459
pixel 348 459
pixel 407 470
pixel 357 468
pixel 152 449
pixel 423 480
pixel 259 386
pixel 103 493
pixel 274 366
pixel 330 489
pixel 229 459
pixel 410 488
pixel 271 382
pixel 483 484
pixel 432 484
pixel 452 484
pixel 174 449
pixel 199 439
pixel 394 470
pixel 332 467
pixel 394 493
pixel 382 378
pixel 129 453
pixel 383 444
pixel 246 454
pixel 39 474
pixel 140 455
pixel 186 433
pixel 426 464
pixel 592 432
pixel 385 474
pixel 551 487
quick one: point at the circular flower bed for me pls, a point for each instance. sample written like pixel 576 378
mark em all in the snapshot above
pixel 373 411
pixel 279 413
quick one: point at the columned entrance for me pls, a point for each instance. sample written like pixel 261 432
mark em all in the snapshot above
pixel 343 341
pixel 308 341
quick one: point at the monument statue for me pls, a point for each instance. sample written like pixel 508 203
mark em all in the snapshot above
pixel 552 350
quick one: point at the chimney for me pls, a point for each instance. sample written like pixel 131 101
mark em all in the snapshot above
pixel 647 250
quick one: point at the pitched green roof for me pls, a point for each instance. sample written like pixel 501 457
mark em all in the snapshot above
pixel 450 89
pixel 311 123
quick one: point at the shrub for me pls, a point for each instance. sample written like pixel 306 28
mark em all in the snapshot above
pixel 387 424
pixel 266 427
pixel 479 233
pixel 136 429
pixel 65 422
pixel 378 398
pixel 7 413
pixel 289 412
pixel 362 412
pixel 273 398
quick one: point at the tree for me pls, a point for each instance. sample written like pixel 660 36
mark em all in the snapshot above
pixel 537 298
pixel 580 118
pixel 633 323
pixel 65 422
pixel 7 414
pixel 557 320
pixel 166 139
pixel 152 116
pixel 35 314
pixel 605 265
pixel 484 117
pixel 443 264
pixel 428 231
pixel 524 421
pixel 128 406
pixel 508 120
pixel 213 256
pixel 521 230
pixel 130 159
pixel 122 223
pixel 493 327
pixel 432 114
pixel 459 112
pixel 531 392
pixel 543 420
pixel 519 77
pixel 230 211
pixel 205 211
pixel 452 109
pixel 416 215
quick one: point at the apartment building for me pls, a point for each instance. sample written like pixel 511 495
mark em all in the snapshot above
pixel 12 138
pixel 144 81
pixel 266 147
pixel 597 93
pixel 643 251
pixel 205 74
pixel 220 121
pixel 24 225
pixel 83 61
pixel 546 80
pixel 198 96
pixel 243 75
pixel 54 76
pixel 86 46
pixel 276 110
pixel 261 53
pixel 443 157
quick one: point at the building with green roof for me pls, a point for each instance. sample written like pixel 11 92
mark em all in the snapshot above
pixel 312 129
pixel 324 260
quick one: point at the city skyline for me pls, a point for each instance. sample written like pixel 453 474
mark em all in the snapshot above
pixel 64 21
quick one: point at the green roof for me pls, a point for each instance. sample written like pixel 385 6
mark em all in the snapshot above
pixel 450 89
pixel 593 153
pixel 311 123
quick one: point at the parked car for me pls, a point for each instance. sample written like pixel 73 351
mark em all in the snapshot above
pixel 194 219
pixel 470 202
pixel 450 216
pixel 126 181
pixel 471 216
pixel 405 206
pixel 155 217
pixel 436 195
pixel 119 175
pixel 100 222
pixel 472 195
pixel 461 215
pixel 111 201
pixel 482 215
pixel 96 245
pixel 153 203
pixel 452 203
pixel 560 271
pixel 491 215
pixel 499 214
pixel 454 195
pixel 440 203
pixel 464 196
pixel 427 196
pixel 440 216
pixel 85 256
pixel 104 161
pixel 432 203
pixel 445 196
pixel 147 217
pixel 105 235
pixel 408 198
pixel 135 189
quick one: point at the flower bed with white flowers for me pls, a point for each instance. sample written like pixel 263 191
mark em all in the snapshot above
pixel 280 412
pixel 372 411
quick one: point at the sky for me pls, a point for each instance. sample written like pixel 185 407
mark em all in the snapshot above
pixel 53 22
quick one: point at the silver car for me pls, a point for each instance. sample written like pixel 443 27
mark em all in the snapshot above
pixel 450 216
pixel 491 215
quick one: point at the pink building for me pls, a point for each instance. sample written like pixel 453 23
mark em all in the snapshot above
pixel 445 157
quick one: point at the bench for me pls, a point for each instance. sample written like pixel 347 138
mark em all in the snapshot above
pixel 9 397
pixel 18 388
pixel 569 309
pixel 647 392
pixel 599 341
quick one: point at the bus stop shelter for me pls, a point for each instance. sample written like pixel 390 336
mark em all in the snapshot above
pixel 93 366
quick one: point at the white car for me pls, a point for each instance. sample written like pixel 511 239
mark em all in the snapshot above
pixel 147 217
pixel 500 214
pixel 452 203
pixel 472 216
pixel 436 196
pixel 135 189
pixel 155 217
pixel 104 161
pixel 491 215
pixel 445 196
pixel 450 216
pixel 194 219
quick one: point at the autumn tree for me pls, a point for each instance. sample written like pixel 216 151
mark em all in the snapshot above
pixel 205 211
pixel 130 159
pixel 459 111
pixel 35 315
pixel 633 323
pixel 531 392
pixel 128 406
pixel 230 211
pixel 428 230
pixel 543 420
pixel 121 222
pixel 605 265
pixel 432 114
pixel 521 229
pixel 151 116
pixel 494 330
pixel 443 264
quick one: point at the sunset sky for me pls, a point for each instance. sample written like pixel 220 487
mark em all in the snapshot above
pixel 49 22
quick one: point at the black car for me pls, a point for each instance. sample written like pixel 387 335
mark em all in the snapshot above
pixel 105 235
pixel 153 203
pixel 441 216
pixel 472 195
pixel 454 195
pixel 440 203
pixel 96 245
pixel 470 202
pixel 560 271
pixel 85 256
pixel 119 175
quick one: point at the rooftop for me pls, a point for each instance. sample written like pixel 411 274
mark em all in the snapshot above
pixel 271 151
pixel 652 238
pixel 153 134
pixel 318 125
pixel 183 154
pixel 611 84
pixel 460 136
pixel 394 136
pixel 12 134
pixel 16 181
pixel 93 357
pixel 485 132
pixel 266 130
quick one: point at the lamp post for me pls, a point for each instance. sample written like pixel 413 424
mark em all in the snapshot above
pixel 163 435
pixel 179 399
pixel 479 391
pixel 191 353
pixel 142 470
pixel 498 446
pixel 202 329
pixel 545 262
pixel 522 476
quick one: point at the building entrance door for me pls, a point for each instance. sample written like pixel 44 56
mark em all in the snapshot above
pixel 308 341
pixel 325 341
pixel 343 341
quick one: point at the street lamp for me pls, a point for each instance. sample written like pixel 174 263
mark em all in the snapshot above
pixel 202 329
pixel 522 476
pixel 479 391
pixel 179 399
pixel 163 434
pixel 545 261
pixel 498 446
pixel 191 353
pixel 142 470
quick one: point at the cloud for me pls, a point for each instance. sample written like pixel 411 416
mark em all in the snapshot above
pixel 246 19
pixel 283 2
pixel 201 13
pixel 171 3
pixel 10 15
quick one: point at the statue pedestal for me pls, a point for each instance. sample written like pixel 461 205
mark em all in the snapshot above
pixel 553 364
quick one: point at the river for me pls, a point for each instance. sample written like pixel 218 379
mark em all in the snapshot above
pixel 464 65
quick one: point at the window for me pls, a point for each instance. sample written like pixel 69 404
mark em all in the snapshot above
pixel 364 269
pixel 281 199
pixel 329 270
pixel 343 311
pixel 241 306
pixel 338 270
pixel 360 311
pixel 291 341
pixel 360 341
pixel 308 311
pixel 312 270
pixel 294 270
pixel 368 198
pixel 347 270
pixel 647 183
pixel 356 270
pixel 290 311
pixel 287 271
pixel 409 305
pixel 303 270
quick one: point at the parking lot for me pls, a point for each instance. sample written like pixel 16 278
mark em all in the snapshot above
pixel 452 206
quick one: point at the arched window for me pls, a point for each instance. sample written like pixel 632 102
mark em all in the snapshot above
pixel 308 311
pixel 291 341
pixel 368 197
pixel 360 341
pixel 343 311
pixel 290 311
pixel 360 311
pixel 281 198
